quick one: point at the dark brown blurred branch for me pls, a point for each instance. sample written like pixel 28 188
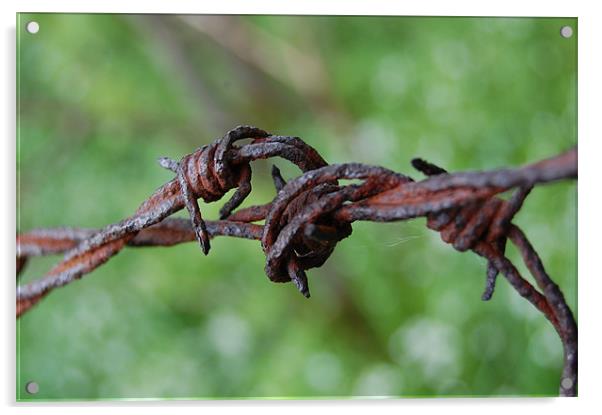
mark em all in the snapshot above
pixel 308 76
pixel 297 65
pixel 172 55
pixel 313 212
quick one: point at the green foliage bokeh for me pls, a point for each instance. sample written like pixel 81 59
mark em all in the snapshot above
pixel 394 311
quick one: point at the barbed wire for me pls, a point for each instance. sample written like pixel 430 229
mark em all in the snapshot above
pixel 313 212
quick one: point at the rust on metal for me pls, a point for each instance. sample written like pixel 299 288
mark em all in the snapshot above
pixel 310 214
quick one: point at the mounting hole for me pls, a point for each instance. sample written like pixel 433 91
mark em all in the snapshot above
pixel 566 31
pixel 567 383
pixel 32 388
pixel 33 27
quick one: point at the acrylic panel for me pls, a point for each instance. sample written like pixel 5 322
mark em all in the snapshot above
pixel 367 267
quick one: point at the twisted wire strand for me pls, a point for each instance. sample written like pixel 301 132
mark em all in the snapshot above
pixel 207 175
pixel 313 212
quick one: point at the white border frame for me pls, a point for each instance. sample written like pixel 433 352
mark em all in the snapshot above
pixel 590 68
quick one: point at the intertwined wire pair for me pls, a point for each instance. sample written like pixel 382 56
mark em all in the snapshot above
pixel 312 213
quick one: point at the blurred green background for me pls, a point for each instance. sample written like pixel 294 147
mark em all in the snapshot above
pixel 394 311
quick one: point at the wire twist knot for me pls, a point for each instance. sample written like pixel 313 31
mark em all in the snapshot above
pixel 483 221
pixel 301 230
pixel 208 173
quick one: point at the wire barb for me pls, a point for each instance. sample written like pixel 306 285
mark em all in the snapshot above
pixel 168 164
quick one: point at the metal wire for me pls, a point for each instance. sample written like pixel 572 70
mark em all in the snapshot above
pixel 313 212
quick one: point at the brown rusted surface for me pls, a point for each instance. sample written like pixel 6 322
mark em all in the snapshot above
pixel 207 173
pixel 312 213
pixel 567 327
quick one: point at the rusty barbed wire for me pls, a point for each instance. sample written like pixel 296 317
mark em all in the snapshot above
pixel 207 173
pixel 313 212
